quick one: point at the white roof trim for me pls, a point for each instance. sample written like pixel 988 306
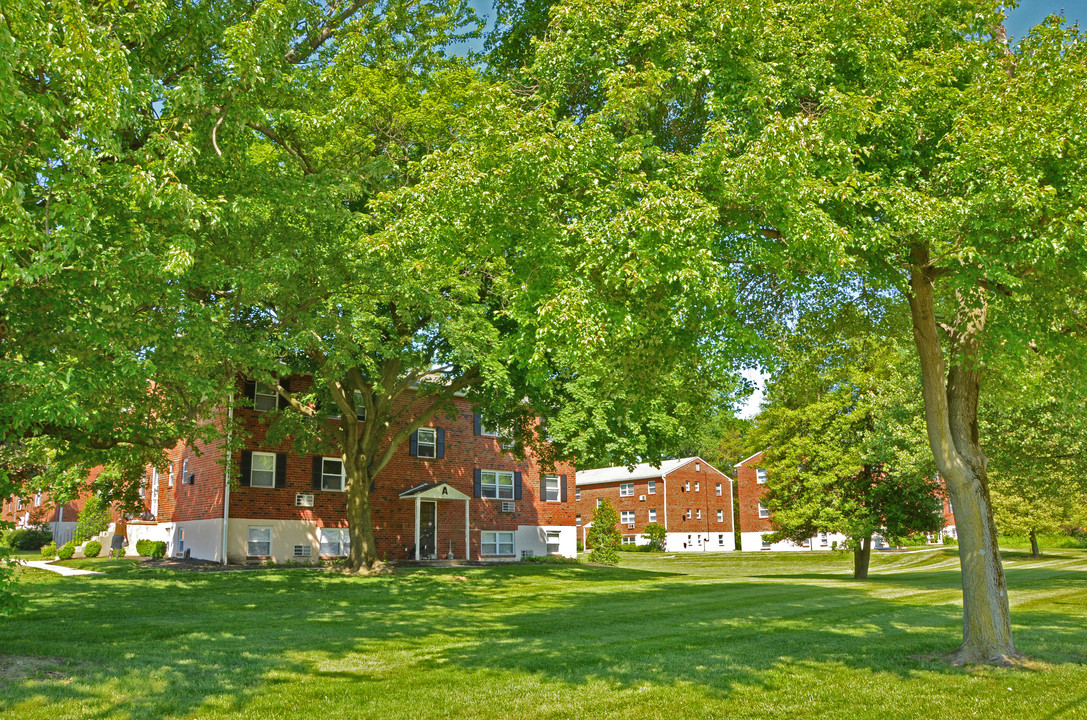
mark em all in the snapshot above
pixel 760 452
pixel 644 471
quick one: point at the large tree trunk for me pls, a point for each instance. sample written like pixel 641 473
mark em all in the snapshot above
pixel 1035 551
pixel 951 417
pixel 360 521
pixel 862 556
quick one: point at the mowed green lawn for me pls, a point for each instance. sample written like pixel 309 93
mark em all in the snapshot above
pixel 694 636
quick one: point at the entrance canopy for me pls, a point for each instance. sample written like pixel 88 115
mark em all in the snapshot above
pixel 435 491
pixel 432 492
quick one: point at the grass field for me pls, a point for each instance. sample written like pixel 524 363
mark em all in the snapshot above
pixel 729 636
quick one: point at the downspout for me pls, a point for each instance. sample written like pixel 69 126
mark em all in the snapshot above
pixel 226 474
pixel 731 514
pixel 664 481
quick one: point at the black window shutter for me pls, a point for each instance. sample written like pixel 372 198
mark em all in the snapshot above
pixel 317 467
pixel 281 470
pixel 251 389
pixel 286 386
pixel 439 452
pixel 543 487
pixel 517 486
pixel 477 423
pixel 562 485
pixel 478 489
pixel 247 468
pixel 413 444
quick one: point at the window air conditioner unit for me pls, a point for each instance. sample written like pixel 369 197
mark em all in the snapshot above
pixel 630 526
pixel 303 500
pixel 509 507
pixel 642 498
pixel 303 551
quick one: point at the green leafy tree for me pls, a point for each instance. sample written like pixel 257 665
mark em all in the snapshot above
pixel 846 448
pixel 657 535
pixel 1037 449
pixel 604 537
pixel 834 142
pixel 93 518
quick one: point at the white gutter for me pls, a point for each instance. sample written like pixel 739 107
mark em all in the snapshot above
pixel 226 474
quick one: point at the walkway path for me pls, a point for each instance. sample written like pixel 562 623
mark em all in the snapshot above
pixel 59 569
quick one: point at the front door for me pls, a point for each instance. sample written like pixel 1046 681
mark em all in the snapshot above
pixel 428 520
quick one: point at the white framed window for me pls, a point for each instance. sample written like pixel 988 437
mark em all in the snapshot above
pixel 332 475
pixel 689 514
pixel 629 540
pixel 494 542
pixel 260 542
pixel 428 442
pixel 720 490
pixel 652 515
pixel 38 499
pixel 335 541
pixel 170 476
pixel 360 407
pixel 263 471
pixel 822 539
pixel 687 486
pixel 698 487
pixel 598 501
pixel 496 484
pixel 577 521
pixel 552 542
pixel 720 516
pixel 265 397
pixel 765 544
pixel 760 476
pixel 764 512
pixel 626 516
pixel 626 489
pixel 184 470
pixel 721 540
pixel 577 494
pixel 486 431
pixel 698 514
pixel 651 487
pixel 551 488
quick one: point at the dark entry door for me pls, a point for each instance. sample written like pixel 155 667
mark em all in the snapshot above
pixel 428 519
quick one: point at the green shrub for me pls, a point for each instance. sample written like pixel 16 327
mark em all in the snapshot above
pixel 580 546
pixel 156 549
pixel 632 547
pixel 657 534
pixel 948 540
pixel 67 550
pixel 92 549
pixel 604 537
pixel 550 560
pixel 143 548
pixel 28 538
pixel 49 551
pixel 93 518
pixel 121 552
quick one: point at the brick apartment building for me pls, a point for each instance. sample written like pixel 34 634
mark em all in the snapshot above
pixel 452 491
pixel 40 510
pixel 691 498
pixel 754 517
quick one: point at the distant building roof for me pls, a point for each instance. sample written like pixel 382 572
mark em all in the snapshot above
pixel 752 457
pixel 640 472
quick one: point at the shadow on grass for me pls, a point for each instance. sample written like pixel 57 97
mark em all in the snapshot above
pixel 149 642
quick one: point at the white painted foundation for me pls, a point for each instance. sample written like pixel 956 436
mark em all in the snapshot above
pixel 724 541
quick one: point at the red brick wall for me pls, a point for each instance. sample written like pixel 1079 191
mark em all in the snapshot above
pixel 749 493
pixel 679 501
pixel 394 517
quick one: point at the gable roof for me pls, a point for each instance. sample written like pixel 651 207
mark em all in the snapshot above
pixel 756 455
pixel 640 472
